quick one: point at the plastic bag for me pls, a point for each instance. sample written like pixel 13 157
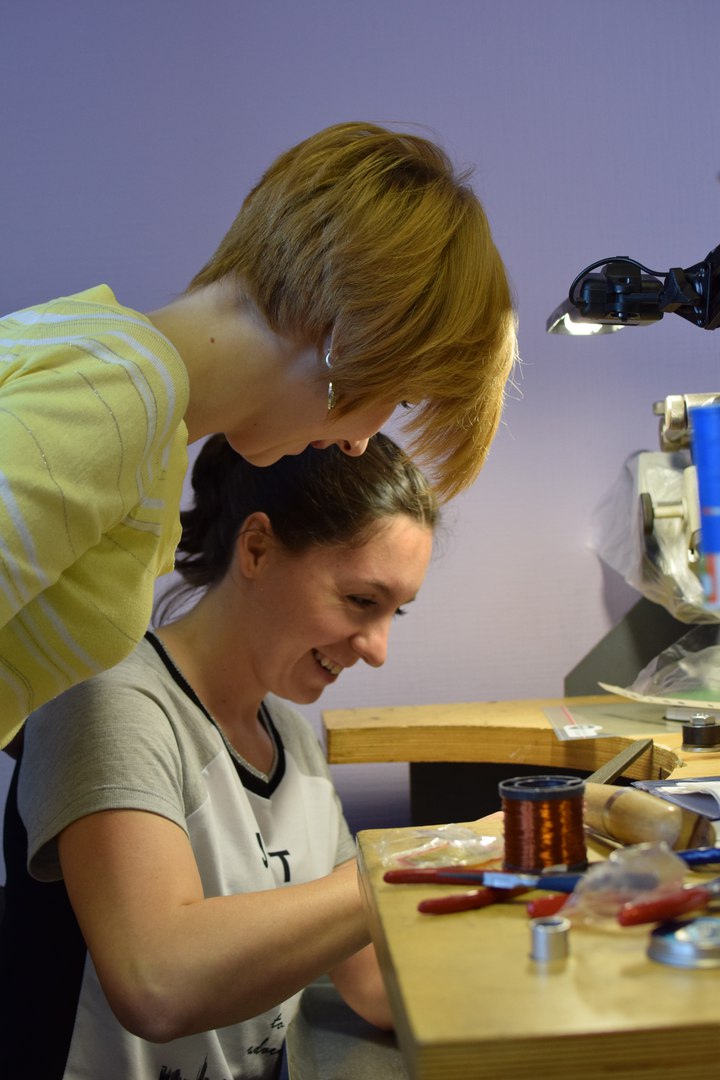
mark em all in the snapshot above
pixel 689 668
pixel 653 562
pixel 644 871
pixel 444 845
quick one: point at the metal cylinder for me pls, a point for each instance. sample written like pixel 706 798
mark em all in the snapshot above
pixel 549 938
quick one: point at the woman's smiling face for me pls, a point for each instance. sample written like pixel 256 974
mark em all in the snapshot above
pixel 321 611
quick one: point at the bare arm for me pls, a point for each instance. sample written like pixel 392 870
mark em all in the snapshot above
pixel 361 985
pixel 173 963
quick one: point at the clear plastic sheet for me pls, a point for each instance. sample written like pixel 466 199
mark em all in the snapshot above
pixel 688 669
pixel 642 872
pixel 443 845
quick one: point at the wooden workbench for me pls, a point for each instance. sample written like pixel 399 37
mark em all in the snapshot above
pixel 467 999
pixel 469 1002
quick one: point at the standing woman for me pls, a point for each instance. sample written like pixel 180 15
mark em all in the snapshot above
pixel 359 274
pixel 193 869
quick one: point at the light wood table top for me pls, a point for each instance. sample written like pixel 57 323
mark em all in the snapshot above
pixel 469 1002
pixel 501 732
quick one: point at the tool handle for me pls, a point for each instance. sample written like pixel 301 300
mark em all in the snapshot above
pixel 542 906
pixel 563 883
pixel 506 879
pixel 466 876
pixel 632 816
pixel 703 856
pixel 664 907
pixel 476 898
pixel 444 905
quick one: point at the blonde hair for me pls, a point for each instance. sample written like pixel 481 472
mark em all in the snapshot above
pixel 368 235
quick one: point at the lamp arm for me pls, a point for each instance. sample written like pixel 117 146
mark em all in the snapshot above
pixel 694 293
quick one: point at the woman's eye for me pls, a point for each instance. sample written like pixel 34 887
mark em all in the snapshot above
pixel 365 602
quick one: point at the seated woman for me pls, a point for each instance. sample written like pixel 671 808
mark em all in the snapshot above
pixel 192 867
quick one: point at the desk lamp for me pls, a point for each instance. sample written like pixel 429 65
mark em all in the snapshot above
pixel 626 293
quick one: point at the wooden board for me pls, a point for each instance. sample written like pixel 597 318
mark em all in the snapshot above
pixel 507 732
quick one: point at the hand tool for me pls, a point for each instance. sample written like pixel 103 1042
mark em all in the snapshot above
pixel 625 815
pixel 631 816
pixel 670 905
pixel 439 905
pixel 498 887
pixel 542 906
pixel 636 912
pixel 704 856
pixel 506 879
pixel 475 898
pixel 613 769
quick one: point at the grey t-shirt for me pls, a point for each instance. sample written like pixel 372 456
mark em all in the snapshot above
pixel 136 737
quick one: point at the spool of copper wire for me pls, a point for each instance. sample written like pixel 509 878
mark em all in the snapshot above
pixel 543 820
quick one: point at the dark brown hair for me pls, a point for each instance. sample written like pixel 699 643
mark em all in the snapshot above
pixel 319 497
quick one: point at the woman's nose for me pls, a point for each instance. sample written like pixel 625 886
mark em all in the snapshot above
pixel 371 645
pixel 353 448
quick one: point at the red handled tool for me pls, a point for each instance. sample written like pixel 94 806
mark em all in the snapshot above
pixel 543 906
pixel 669 906
pixel 476 898
pixel 664 906
pixel 499 886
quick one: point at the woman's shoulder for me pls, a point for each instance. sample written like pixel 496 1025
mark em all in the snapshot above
pixel 94 328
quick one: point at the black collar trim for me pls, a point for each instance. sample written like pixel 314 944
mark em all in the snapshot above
pixel 250 778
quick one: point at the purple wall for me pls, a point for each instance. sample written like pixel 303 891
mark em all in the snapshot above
pixel 131 133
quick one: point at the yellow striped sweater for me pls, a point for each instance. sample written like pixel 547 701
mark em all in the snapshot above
pixel 93 451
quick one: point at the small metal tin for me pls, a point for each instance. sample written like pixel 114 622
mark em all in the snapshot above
pixel 549 938
pixel 694 943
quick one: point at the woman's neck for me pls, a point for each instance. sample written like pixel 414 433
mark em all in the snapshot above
pixel 198 646
pixel 216 333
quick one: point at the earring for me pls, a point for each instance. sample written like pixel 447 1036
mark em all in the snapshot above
pixel 331 393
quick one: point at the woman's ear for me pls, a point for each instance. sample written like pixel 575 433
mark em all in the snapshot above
pixel 253 544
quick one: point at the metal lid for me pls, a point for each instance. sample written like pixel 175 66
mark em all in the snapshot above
pixel 691 944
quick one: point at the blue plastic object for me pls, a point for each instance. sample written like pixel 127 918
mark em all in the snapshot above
pixel 705 439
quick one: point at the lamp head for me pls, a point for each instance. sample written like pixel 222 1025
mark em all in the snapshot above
pixel 567 319
pixel 626 293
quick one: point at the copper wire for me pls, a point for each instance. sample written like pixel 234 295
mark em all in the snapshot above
pixel 543 831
